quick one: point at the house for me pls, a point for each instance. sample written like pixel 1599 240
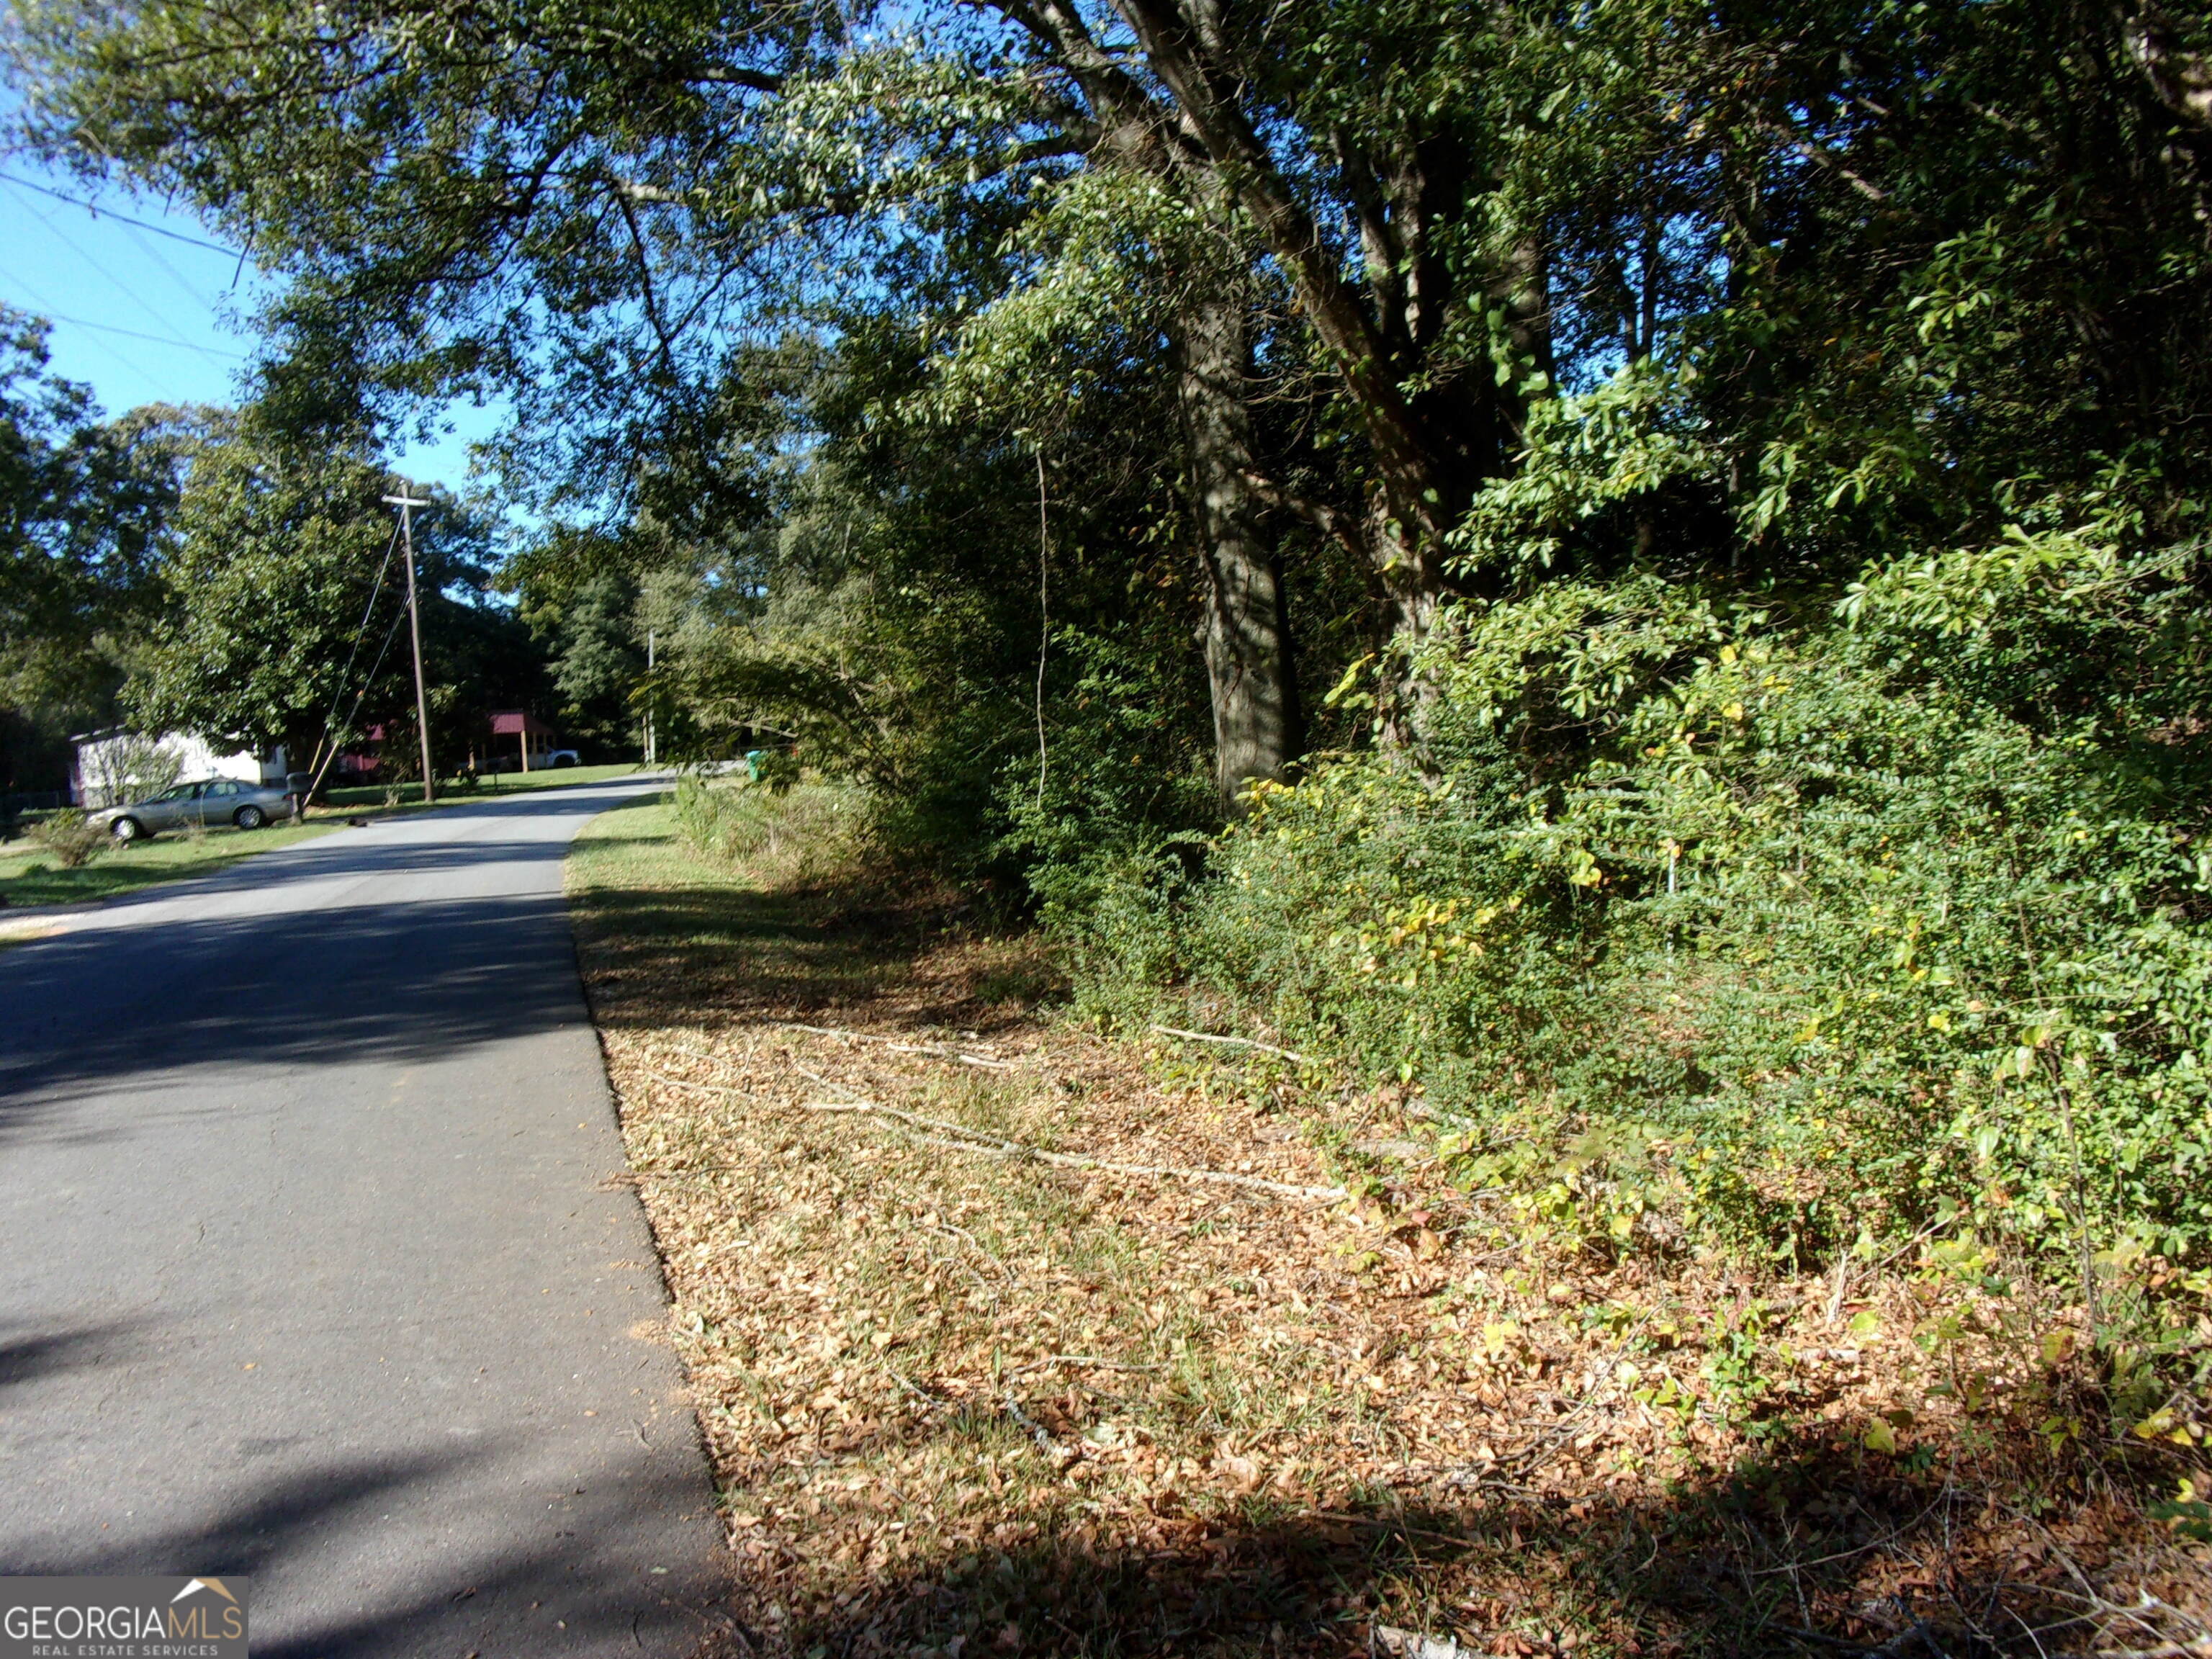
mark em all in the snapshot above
pixel 360 761
pixel 118 764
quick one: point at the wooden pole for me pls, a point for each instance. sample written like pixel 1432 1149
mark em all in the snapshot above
pixel 406 504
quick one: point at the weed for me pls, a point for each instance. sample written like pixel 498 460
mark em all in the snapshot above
pixel 70 840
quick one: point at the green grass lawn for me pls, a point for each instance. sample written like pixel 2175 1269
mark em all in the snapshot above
pixel 28 875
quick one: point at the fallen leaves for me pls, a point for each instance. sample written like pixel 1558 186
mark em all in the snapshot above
pixel 1003 1338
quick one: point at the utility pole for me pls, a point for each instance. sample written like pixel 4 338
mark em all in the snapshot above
pixel 406 504
pixel 649 732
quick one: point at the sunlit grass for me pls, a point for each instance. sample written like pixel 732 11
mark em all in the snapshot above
pixel 29 876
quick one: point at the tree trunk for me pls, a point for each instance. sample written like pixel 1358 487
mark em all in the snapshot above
pixel 1430 449
pixel 1258 727
pixel 2181 77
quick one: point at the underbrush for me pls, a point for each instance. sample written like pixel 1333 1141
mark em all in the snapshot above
pixel 1812 942
pixel 1866 940
pixel 792 835
pixel 70 839
pixel 1250 1370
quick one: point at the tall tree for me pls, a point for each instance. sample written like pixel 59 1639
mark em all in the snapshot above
pixel 1258 727
pixel 599 663
pixel 83 505
pixel 598 196
pixel 282 604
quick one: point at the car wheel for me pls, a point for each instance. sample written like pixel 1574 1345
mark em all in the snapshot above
pixel 126 830
pixel 249 817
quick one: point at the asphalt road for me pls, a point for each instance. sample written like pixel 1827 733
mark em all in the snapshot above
pixel 316 1268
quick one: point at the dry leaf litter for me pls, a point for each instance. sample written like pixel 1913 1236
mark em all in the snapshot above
pixel 1237 1371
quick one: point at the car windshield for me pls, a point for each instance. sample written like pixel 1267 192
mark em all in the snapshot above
pixel 182 791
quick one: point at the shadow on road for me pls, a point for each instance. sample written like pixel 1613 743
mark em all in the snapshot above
pixel 288 1122
pixel 25 1357
pixel 92 1013
pixel 476 1598
pixel 435 950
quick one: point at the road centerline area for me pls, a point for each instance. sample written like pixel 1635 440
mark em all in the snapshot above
pixel 316 1271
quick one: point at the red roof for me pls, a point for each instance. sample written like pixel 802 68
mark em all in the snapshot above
pixel 511 722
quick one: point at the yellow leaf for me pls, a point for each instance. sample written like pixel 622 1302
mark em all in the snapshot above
pixel 1880 1437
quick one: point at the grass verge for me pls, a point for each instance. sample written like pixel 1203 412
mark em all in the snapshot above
pixel 961 1399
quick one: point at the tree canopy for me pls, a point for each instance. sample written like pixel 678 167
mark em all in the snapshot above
pixel 280 599
pixel 1811 235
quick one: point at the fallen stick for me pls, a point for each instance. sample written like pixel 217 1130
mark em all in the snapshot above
pixel 1823 1638
pixel 913 1388
pixel 934 1050
pixel 1382 1524
pixel 1089 1361
pixel 1241 1043
pixel 972 1140
pixel 1046 1444
pixel 962 1233
pixel 1080 1161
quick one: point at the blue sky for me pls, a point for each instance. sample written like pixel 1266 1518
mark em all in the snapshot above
pixel 144 317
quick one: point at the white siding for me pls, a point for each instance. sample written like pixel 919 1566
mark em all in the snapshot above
pixel 108 766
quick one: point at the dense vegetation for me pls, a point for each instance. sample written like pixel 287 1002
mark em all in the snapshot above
pixel 1638 568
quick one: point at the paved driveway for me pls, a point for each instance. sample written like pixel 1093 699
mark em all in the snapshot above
pixel 315 1266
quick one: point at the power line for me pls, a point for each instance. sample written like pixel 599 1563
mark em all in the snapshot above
pixel 129 292
pixel 53 316
pixel 45 312
pixel 152 311
pixel 94 209
pixel 368 611
pixel 175 275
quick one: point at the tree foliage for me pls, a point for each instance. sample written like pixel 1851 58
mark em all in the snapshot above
pixel 283 606
pixel 82 501
pixel 1723 484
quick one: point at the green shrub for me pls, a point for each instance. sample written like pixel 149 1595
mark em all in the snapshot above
pixel 69 839
pixel 1854 924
